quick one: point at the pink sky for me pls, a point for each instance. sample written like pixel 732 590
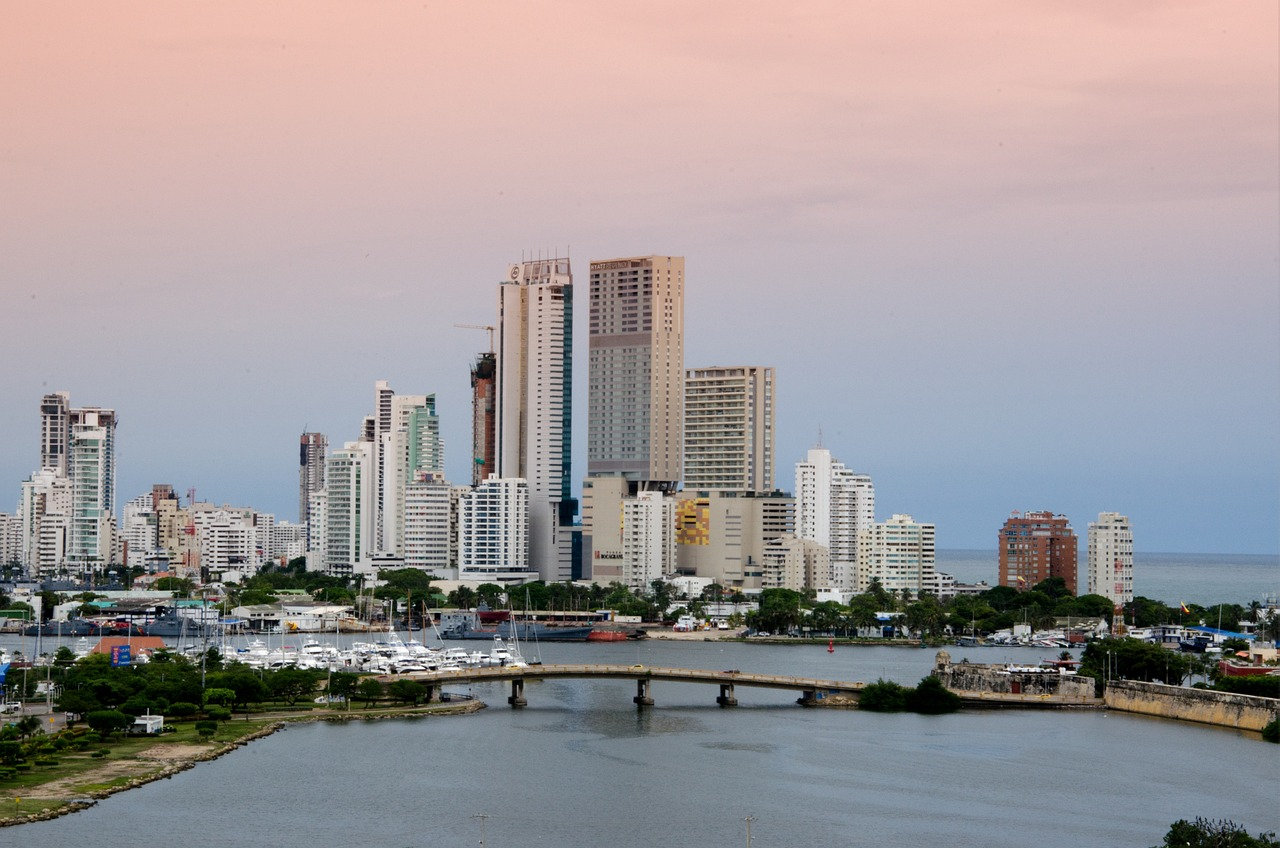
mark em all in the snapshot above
pixel 237 216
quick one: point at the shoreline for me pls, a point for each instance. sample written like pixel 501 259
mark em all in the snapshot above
pixel 67 802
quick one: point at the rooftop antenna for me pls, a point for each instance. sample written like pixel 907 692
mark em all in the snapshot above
pixel 819 438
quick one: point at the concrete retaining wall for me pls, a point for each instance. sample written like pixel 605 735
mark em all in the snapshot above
pixel 1224 709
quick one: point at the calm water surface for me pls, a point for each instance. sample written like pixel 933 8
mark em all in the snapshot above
pixel 581 765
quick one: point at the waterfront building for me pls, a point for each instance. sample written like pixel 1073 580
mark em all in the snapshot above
pixel 729 428
pixel 411 447
pixel 318 530
pixel 1110 558
pixel 899 553
pixel 648 539
pixel 789 562
pixel 227 539
pixel 288 541
pixel 312 450
pixel 484 418
pixel 493 532
pixel 534 387
pixel 635 372
pixel 833 505
pixel 722 535
pixel 42 544
pixel 10 540
pixel 91 465
pixel 1035 546
pixel 351 512
pixel 138 529
pixel 427 524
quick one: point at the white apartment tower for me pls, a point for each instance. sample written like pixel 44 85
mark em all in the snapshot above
pixel 1110 565
pixel 493 532
pixel 350 509
pixel 534 390
pixel 833 504
pixel 635 374
pixel 427 525
pixel 729 429
pixel 648 539
pixel 899 553
pixel 412 447
pixel 91 467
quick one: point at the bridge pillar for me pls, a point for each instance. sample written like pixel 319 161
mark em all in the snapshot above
pixel 432 692
pixel 726 698
pixel 517 694
pixel 808 698
pixel 643 698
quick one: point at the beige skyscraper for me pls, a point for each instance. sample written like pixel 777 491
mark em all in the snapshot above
pixel 635 371
pixel 728 429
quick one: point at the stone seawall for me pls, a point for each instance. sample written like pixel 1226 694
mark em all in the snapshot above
pixel 1225 709
pixel 1009 680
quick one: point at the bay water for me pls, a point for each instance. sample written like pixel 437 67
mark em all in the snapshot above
pixel 581 765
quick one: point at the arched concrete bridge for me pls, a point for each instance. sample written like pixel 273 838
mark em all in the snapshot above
pixel 811 690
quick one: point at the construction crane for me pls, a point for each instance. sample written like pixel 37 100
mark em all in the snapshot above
pixel 488 327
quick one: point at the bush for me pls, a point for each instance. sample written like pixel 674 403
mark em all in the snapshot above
pixel 97 755
pixel 206 728
pixel 182 709
pixel 1271 732
pixel 883 696
pixel 930 697
pixel 218 713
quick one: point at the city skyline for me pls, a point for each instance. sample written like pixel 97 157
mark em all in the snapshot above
pixel 999 256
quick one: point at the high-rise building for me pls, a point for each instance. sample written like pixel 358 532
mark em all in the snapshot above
pixel 796 564
pixel 1035 546
pixel 534 388
pixel 55 431
pixel 312 450
pixel 729 428
pixel 351 489
pixel 1110 558
pixel 899 553
pixel 91 467
pixel 427 525
pixel 410 448
pixel 648 539
pixel 493 532
pixel 635 375
pixel 483 417
pixel 834 504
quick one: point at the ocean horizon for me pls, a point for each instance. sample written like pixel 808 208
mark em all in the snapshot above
pixel 1172 578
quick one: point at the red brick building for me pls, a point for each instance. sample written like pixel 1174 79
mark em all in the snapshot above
pixel 1035 546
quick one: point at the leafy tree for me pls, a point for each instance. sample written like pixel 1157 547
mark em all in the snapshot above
pixel 1131 659
pixel 779 611
pixel 407 691
pixel 463 597
pixel 180 586
pixel 219 696
pixel 883 696
pixel 1053 587
pixel 291 684
pixel 30 726
pixel 107 722
pixel 241 680
pixel 368 690
pixel 1205 833
pixel 343 685
pixel 206 728
pixel 10 752
pixel 930 697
